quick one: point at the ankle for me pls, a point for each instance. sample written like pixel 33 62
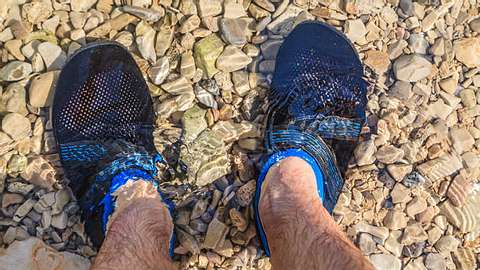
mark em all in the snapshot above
pixel 140 234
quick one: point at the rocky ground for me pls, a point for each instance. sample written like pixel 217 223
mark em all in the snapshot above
pixel 411 196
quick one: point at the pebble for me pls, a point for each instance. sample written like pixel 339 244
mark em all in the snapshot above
pixel 377 60
pixel 16 126
pixel 416 206
pixel 145 39
pixel 418 43
pixel 401 90
pixel 364 153
pixel 234 31
pixel 216 234
pixel 447 244
pixel 23 210
pixel 232 59
pixel 380 233
pixel 465 218
pixel 393 244
pixel 150 15
pixel 245 193
pixel 233 9
pixel 206 52
pixel 395 220
pixel 42 89
pixel 413 233
pixel 15 71
pixel 60 221
pixel 411 68
pixel 385 261
pixel 355 30
pixel 435 261
pixel 159 72
pixel 389 154
pixel 458 190
pixel 208 8
pixel 205 97
pixel 464 258
pixel 53 56
pixel 467 51
pixel 475 25
pixel 11 199
pixel 462 139
pixel 400 193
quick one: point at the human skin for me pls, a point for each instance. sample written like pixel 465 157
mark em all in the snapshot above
pixel 300 232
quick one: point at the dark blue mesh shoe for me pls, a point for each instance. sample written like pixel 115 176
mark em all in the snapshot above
pixel 103 122
pixel 316 108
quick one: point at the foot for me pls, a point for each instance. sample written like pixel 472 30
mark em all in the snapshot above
pixel 316 108
pixel 103 123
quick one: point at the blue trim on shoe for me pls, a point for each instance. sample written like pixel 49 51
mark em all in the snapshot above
pixel 272 160
pixel 121 179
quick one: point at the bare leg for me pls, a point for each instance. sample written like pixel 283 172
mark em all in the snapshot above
pixel 139 232
pixel 300 232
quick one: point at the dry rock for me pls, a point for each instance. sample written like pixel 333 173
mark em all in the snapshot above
pixel 412 68
pixel 42 89
pixel 385 261
pixel 467 51
pixel 15 71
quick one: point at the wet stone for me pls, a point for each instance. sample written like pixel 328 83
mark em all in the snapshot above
pixel 234 31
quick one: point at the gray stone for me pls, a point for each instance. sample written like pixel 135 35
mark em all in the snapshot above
pixel 435 261
pixel 385 261
pixel 364 153
pixel 418 43
pixel 53 56
pixel 447 244
pixel 412 68
pixel 389 154
pixel 60 221
pixel 366 243
pixel 270 48
pixel 23 210
pixel 216 233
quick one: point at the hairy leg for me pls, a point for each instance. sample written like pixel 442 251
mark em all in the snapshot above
pixel 138 232
pixel 300 232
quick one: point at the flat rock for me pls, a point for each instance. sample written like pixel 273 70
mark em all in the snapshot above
pixel 234 31
pixel 377 60
pixel 380 233
pixel 16 126
pixel 53 56
pixel 416 206
pixel 395 220
pixel 284 23
pixel 23 210
pixel 440 167
pixel 194 123
pixel 209 7
pixel 82 5
pixel 42 89
pixel 233 9
pixel 447 244
pixel 413 233
pixel 216 233
pixel 13 99
pixel 364 153
pixel 467 51
pixel 145 39
pixel 232 59
pixel 459 190
pixel 389 154
pixel 435 261
pixel 464 258
pixel 465 218
pixel 385 261
pixel 412 68
pixel 33 253
pixel 159 72
pixel 15 71
pixel 355 30
pixel 462 139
